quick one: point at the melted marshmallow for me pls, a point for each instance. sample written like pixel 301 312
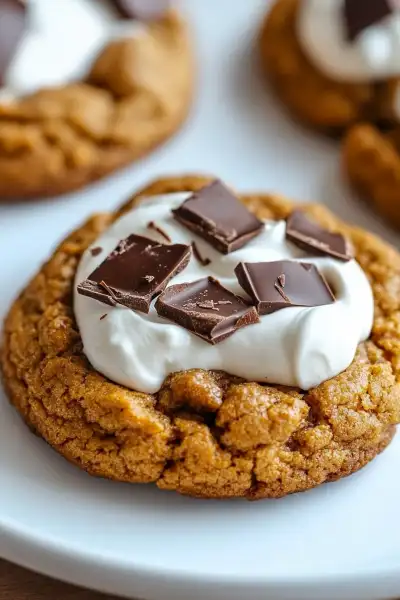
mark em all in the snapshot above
pixel 295 346
pixel 373 55
pixel 62 40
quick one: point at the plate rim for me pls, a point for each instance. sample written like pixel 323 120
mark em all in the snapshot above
pixel 41 549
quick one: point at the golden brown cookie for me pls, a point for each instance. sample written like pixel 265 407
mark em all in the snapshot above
pixel 204 433
pixel 317 100
pixel 371 162
pixel 136 96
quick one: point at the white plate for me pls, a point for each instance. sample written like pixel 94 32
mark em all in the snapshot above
pixel 339 540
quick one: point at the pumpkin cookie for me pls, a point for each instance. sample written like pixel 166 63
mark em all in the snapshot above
pixel 334 63
pixel 87 89
pixel 219 367
pixel 371 162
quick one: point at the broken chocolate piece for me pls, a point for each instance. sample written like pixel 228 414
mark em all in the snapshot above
pixel 216 215
pixel 96 251
pixel 314 239
pixel 143 10
pixel 158 229
pixel 135 272
pixel 206 308
pixel 12 27
pixel 362 14
pixel 283 283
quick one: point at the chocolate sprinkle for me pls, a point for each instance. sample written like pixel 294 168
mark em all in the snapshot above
pixel 142 10
pixel 12 28
pixel 103 316
pixel 312 238
pixel 109 291
pixel 217 216
pixel 96 251
pixel 304 285
pixel 155 227
pixel 362 14
pixel 203 261
pixel 135 272
pixel 193 306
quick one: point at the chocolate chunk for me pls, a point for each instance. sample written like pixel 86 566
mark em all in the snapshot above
pixel 143 10
pixel 206 308
pixel 283 283
pixel 12 27
pixel 362 14
pixel 96 251
pixel 216 215
pixel 135 272
pixel 314 239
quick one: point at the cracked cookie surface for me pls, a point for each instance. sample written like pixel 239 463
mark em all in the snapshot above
pixel 317 100
pixel 136 96
pixel 205 433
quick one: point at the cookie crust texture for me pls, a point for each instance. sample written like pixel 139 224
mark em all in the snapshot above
pixel 314 98
pixel 205 434
pixel 135 97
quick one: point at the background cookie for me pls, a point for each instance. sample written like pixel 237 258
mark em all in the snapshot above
pixel 170 438
pixel 371 162
pixel 136 94
pixel 315 97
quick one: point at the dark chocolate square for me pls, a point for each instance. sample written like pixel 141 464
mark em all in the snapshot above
pixel 216 215
pixel 312 238
pixel 206 308
pixel 135 272
pixel 284 283
pixel 362 14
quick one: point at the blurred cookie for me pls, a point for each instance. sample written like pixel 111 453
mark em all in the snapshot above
pixel 371 162
pixel 334 62
pixel 87 89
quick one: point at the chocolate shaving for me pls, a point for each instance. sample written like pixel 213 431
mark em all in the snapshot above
pixel 217 216
pixel 108 290
pixel 103 316
pixel 135 272
pixel 96 251
pixel 280 291
pixel 316 240
pixel 193 306
pixel 155 227
pixel 203 261
pixel 207 304
pixel 142 10
pixel 305 286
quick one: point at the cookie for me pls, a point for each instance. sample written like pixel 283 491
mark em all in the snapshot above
pixel 121 88
pixel 321 58
pixel 371 163
pixel 204 433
